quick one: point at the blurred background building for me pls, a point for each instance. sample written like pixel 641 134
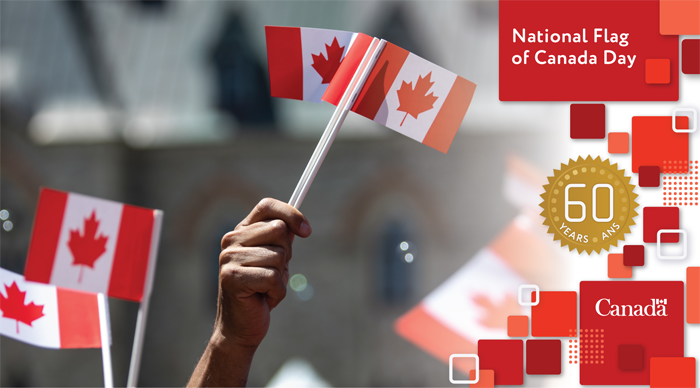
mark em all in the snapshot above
pixel 166 104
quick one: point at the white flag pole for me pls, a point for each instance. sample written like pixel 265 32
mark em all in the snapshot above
pixel 137 348
pixel 106 340
pixel 336 121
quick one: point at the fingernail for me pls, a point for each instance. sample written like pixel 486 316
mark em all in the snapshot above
pixel 305 229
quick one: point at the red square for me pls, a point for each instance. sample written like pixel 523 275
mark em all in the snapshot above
pixel 587 121
pixel 633 255
pixel 657 218
pixel 555 315
pixel 602 308
pixel 690 49
pixel 649 176
pixel 617 268
pixel 543 357
pixel 505 358
pixel 618 142
pixel 518 326
pixel 676 372
pixel 485 378
pixel 630 357
pixel 654 142
pixel 657 71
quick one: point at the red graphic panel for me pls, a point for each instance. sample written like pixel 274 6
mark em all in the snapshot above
pixel 690 56
pixel 587 121
pixel 654 142
pixel 485 379
pixel 618 142
pixel 555 315
pixel 653 318
pixel 543 357
pixel 617 268
pixel 633 255
pixel 649 176
pixel 692 294
pixel 678 372
pixel 630 357
pixel 657 218
pixel 518 326
pixel 622 79
pixel 679 17
pixel 657 71
pixel 505 358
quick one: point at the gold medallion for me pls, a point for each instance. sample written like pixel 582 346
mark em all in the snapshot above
pixel 589 204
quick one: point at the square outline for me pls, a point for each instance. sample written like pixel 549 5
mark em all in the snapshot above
pixel 695 120
pixel 476 367
pixel 537 295
pixel 658 244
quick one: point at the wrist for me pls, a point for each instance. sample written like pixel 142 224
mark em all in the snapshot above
pixel 228 344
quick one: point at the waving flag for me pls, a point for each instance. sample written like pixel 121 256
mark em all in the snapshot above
pixel 304 62
pixel 415 97
pixel 47 316
pixel 92 244
pixel 403 91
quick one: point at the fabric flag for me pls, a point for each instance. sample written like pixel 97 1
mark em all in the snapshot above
pixel 415 97
pixel 475 302
pixel 304 62
pixel 92 244
pixel 48 316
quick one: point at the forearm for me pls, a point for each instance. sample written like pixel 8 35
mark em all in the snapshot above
pixel 224 364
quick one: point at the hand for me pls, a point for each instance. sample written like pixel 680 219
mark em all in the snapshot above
pixel 253 276
pixel 254 270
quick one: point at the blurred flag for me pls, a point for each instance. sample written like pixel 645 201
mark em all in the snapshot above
pixel 415 97
pixel 475 302
pixel 47 316
pixel 91 244
pixel 303 62
pixel 522 183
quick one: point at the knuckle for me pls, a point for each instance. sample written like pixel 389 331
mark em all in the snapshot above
pixel 229 238
pixel 265 203
pixel 278 227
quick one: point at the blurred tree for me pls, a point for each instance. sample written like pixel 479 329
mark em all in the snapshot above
pixel 242 81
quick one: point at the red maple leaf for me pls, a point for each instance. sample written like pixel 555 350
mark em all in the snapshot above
pixel 326 68
pixel 495 315
pixel 416 101
pixel 13 306
pixel 87 248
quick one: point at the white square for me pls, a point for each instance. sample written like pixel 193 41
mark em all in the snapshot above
pixel 658 244
pixel 537 295
pixel 476 368
pixel 695 120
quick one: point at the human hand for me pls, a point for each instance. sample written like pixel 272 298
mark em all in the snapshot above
pixel 254 270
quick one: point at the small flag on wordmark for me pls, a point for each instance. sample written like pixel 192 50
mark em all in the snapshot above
pixel 92 244
pixel 46 315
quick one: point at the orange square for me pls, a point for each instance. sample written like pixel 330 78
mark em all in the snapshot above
pixel 518 326
pixel 676 372
pixel 679 17
pixel 485 378
pixel 657 71
pixel 556 315
pixel 616 267
pixel 618 142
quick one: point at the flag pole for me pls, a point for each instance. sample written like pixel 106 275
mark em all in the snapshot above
pixel 336 121
pixel 105 339
pixel 137 348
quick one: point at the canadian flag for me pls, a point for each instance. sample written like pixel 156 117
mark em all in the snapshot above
pixel 304 63
pixel 415 97
pixel 475 302
pixel 48 316
pixel 91 244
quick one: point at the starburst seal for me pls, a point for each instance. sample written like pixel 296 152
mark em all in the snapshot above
pixel 589 204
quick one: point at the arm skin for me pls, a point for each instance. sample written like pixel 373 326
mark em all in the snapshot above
pixel 253 276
